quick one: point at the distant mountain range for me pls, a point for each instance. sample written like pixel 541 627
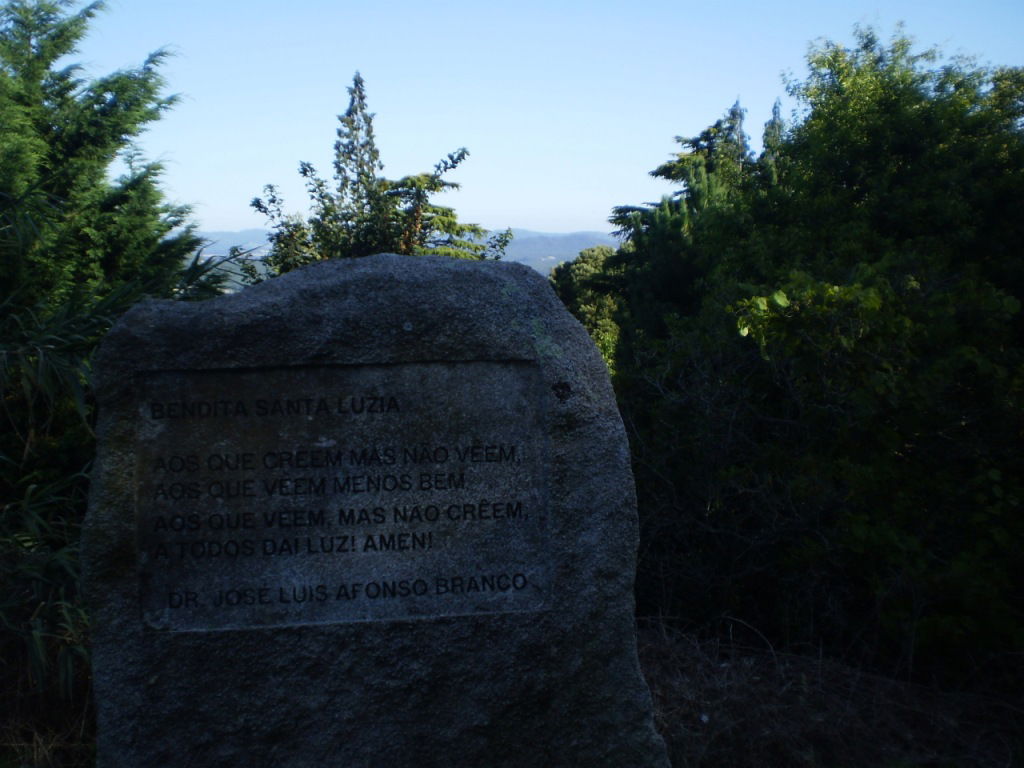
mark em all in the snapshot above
pixel 541 250
pixel 546 250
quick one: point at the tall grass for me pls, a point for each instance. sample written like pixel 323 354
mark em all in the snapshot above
pixel 46 445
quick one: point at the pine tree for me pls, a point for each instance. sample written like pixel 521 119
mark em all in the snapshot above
pixel 365 213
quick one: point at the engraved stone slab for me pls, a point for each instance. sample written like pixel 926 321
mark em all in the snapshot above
pixel 287 496
pixel 374 512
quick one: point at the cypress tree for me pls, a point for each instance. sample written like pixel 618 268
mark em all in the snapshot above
pixel 76 248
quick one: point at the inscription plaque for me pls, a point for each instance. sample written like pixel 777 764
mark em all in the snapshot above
pixel 311 495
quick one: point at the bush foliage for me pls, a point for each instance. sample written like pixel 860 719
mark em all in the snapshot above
pixel 819 352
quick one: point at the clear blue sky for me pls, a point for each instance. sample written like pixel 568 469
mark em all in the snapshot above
pixel 564 106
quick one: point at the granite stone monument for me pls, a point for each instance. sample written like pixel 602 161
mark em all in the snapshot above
pixel 375 512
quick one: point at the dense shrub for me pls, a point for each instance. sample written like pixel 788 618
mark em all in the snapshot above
pixel 820 355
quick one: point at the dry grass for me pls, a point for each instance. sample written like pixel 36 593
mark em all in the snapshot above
pixel 719 705
pixel 726 706
pixel 59 736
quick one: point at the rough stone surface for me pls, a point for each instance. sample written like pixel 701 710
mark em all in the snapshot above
pixel 375 512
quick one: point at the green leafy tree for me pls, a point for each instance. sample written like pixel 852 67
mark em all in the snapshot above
pixel 364 213
pixel 76 248
pixel 892 330
pixel 583 286
pixel 820 361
